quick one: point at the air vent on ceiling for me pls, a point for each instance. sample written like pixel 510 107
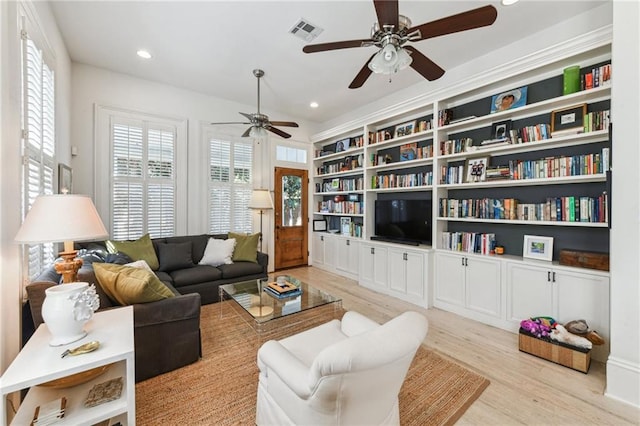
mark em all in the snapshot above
pixel 305 30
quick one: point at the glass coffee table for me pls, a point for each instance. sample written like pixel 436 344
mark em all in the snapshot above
pixel 265 312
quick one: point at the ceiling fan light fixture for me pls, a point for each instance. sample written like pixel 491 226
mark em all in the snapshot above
pixel 390 59
pixel 258 132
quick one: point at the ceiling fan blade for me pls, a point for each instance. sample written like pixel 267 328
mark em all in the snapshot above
pixel 322 47
pixel 469 20
pixel 283 123
pixel 231 122
pixel 387 12
pixel 363 75
pixel 248 116
pixel 246 132
pixel 425 66
pixel 277 131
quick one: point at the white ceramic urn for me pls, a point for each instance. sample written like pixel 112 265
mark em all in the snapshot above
pixel 65 310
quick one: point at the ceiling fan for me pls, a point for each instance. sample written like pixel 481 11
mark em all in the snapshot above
pixel 392 31
pixel 260 122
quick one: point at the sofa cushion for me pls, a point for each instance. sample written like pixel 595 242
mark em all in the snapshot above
pixel 130 285
pixel 218 252
pixel 198 243
pixel 196 275
pixel 238 269
pixel 246 247
pixel 164 277
pixel 140 249
pixel 174 256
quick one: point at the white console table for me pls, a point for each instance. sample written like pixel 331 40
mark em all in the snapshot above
pixel 39 363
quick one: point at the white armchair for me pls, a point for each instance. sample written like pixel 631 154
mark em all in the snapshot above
pixel 345 372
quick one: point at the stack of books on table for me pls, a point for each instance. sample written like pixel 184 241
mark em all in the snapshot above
pixel 283 290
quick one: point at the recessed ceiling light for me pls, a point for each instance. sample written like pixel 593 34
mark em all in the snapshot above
pixel 144 54
pixel 508 2
pixel 313 105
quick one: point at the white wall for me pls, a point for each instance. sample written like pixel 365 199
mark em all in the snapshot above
pixel 10 173
pixel 623 366
pixel 92 85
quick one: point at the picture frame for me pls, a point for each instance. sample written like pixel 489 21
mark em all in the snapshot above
pixel 409 151
pixel 319 225
pixel 500 130
pixel 538 247
pixel 345 225
pixel 476 169
pixel 65 179
pixel 405 129
pixel 342 145
pixel 570 120
pixel 510 99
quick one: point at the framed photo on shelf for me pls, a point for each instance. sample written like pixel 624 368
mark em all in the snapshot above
pixel 569 120
pixel 345 225
pixel 65 179
pixel 508 100
pixel 319 225
pixel 476 169
pixel 405 129
pixel 342 145
pixel 537 247
pixel 409 151
pixel 500 130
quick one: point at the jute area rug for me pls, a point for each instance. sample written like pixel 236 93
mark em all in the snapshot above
pixel 220 389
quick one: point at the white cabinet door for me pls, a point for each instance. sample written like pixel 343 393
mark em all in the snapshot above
pixel 367 259
pixel 317 249
pixel 398 269
pixel 449 278
pixel 585 296
pixel 348 255
pixel 330 251
pixel 416 275
pixel 529 292
pixel 380 268
pixel 483 285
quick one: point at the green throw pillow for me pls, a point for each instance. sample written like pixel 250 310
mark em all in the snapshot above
pixel 140 249
pixel 246 247
pixel 129 285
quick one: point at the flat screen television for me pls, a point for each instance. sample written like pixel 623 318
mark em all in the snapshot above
pixel 403 221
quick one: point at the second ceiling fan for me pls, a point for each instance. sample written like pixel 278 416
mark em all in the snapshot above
pixel 260 122
pixel 392 31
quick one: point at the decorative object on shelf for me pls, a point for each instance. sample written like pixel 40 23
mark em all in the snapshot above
pixel 261 201
pixel 405 129
pixel 82 349
pixel 585 259
pixel 342 145
pixel 319 225
pixel 568 121
pixel 508 100
pixel 76 379
pixel 538 247
pixel 571 80
pixel 476 169
pixel 68 218
pixel 500 130
pixel 66 309
pixel 408 151
pixel 345 225
pixel 65 179
pixel 50 412
pixel 104 392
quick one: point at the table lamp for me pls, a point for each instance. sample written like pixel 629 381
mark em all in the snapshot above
pixel 260 200
pixel 66 218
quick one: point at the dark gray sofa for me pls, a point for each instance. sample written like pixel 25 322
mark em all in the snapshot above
pixel 166 332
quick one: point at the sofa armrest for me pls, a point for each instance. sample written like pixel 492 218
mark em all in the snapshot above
pixel 263 260
pixel 186 306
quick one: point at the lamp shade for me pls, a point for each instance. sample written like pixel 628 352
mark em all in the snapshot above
pixel 260 200
pixel 390 59
pixel 257 132
pixel 61 217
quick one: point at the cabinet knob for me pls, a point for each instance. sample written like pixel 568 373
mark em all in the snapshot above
pixel 462 261
pixel 466 261
pixel 548 276
pixel 404 256
pixel 348 242
pixel 554 277
pixel 372 250
pixel 321 237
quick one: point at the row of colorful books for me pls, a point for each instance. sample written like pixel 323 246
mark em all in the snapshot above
pixel 469 242
pixel 402 181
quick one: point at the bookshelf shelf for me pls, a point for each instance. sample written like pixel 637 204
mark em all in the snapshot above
pixel 402 164
pixel 402 189
pixel 600 177
pixel 525 222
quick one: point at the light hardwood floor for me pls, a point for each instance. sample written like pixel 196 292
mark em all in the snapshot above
pixel 524 389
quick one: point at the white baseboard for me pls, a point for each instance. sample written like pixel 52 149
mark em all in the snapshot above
pixel 623 381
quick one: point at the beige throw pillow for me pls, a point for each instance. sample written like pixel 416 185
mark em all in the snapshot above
pixel 129 285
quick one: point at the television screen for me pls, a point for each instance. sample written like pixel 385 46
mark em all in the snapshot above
pixel 403 220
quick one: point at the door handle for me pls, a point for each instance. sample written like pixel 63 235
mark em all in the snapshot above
pixel 372 250
pixel 466 261
pixel 462 261
pixel 554 277
pixel 348 242
pixel 548 276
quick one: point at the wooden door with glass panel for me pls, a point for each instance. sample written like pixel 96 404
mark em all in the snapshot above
pixel 291 218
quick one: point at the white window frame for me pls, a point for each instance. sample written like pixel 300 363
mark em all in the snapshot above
pixel 40 155
pixel 239 192
pixel 104 180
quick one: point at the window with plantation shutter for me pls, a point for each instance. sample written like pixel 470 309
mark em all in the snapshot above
pixel 38 143
pixel 144 180
pixel 230 164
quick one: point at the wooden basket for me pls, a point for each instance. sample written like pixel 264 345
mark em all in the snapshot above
pixel 575 358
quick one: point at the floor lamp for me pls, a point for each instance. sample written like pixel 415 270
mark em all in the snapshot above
pixel 260 200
